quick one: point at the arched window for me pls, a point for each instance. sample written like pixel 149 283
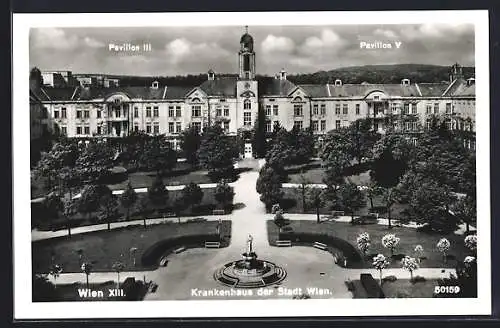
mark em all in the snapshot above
pixel 298 99
pixel 247 104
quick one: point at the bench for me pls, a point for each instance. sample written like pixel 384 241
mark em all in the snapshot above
pixel 218 212
pixel 373 214
pixel 212 244
pixel 319 245
pixel 283 243
pixel 163 261
pixel 337 213
pixel 169 215
pixel 179 250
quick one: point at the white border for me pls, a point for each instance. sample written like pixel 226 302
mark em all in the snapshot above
pixel 24 308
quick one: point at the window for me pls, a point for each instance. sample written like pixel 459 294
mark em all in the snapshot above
pixel 247 118
pixel 375 126
pixel 315 125
pixel 63 112
pixel 226 111
pixel 98 113
pixel 315 109
pixel 148 113
pixel 297 110
pixel 337 124
pixel 64 130
pixel 269 127
pixel 268 110
pixel 337 109
pixel 247 104
pixel 436 108
pixel 136 127
pixel 414 108
pixel 406 109
pixel 178 127
pixel 156 128
pixel 197 126
pixel 297 125
pixel 171 127
pixel 448 124
pixel 56 114
pixel 428 124
pixel 345 109
pixel 376 97
pixel 171 112
pixel 448 108
pixel 86 113
pixel 118 113
pixel 156 112
pixel 414 126
pixel 196 111
pixel 86 130
pixel 275 110
pixel 323 125
pixel 136 112
pixel 428 109
pixel 148 128
pixel 394 107
pixel 78 130
pixel 218 111
pixel 357 109
pixel 408 126
pixel 78 115
pixel 99 130
pixel 226 127
pixel 178 112
pixel 323 109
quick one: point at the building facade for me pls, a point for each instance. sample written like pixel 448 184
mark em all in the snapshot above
pixel 93 109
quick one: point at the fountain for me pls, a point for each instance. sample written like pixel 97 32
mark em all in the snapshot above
pixel 249 272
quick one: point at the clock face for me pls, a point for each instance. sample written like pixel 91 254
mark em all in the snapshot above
pixel 247 85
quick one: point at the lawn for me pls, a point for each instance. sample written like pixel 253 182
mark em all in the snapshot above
pixel 292 203
pixel 103 248
pixel 409 238
pixel 207 205
pixel 312 172
pixel 401 288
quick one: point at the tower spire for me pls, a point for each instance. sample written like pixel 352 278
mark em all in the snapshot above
pixel 246 29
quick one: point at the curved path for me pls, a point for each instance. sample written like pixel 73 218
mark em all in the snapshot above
pixel 193 269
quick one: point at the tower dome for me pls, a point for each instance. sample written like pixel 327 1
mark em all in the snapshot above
pixel 246 40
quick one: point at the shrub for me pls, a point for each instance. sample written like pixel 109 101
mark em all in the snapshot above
pixel 417 279
pixel 364 220
pixel 390 241
pixel 350 285
pixel 371 286
pixel 390 279
pixel 402 294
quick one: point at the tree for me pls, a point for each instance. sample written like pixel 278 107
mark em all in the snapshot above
pixel 390 196
pixel 216 154
pixel 269 187
pixel 190 144
pixel 279 219
pixel 362 139
pixel 118 267
pixel 336 156
pixel 91 198
pixel 419 252
pixel 128 199
pixel 192 195
pixel 157 155
pixel 304 182
pixel 380 263
pixel 158 194
pixel 301 145
pixel 465 210
pixel 409 264
pixel 259 138
pixel 390 241
pixel 350 198
pixel 224 194
pixel 69 210
pixel 55 271
pixel 69 179
pixel 141 206
pixel 363 241
pixel 87 269
pixel 372 191
pixel 391 158
pixel 53 205
pixel 95 161
pixel 108 209
pixel 133 252
pixel 471 242
pixel 443 246
pixel 179 205
pixel 315 197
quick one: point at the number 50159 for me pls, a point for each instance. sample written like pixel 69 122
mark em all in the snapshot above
pixel 446 289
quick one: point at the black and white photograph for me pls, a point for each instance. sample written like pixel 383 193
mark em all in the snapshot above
pixel 239 159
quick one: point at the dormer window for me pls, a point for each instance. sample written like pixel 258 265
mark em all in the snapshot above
pixel 154 85
pixel 211 75
pixel 471 81
pixel 338 83
pixel 405 82
pixel 283 74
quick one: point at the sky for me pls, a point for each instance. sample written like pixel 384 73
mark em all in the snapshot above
pixel 297 49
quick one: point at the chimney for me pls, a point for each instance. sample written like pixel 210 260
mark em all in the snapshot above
pixel 36 79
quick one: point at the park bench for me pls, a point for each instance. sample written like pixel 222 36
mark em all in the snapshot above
pixel 212 244
pixel 337 213
pixel 164 261
pixel 169 215
pixel 283 243
pixel 179 250
pixel 319 245
pixel 373 214
pixel 218 212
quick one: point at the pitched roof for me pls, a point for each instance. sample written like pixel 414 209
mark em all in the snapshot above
pixel 461 88
pixel 315 90
pixel 432 89
pixel 361 90
pixel 221 86
pixel 275 87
